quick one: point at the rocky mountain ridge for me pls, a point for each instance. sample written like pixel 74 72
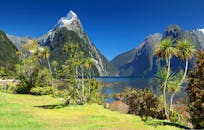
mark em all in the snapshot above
pixel 141 61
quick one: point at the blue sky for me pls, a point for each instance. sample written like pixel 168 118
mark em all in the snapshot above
pixel 114 26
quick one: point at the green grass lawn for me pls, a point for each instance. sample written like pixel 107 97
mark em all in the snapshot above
pixel 26 112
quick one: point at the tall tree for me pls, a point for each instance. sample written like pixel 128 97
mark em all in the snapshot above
pixel 88 64
pixel 46 55
pixel 73 69
pixel 195 92
pixel 165 50
pixel 185 51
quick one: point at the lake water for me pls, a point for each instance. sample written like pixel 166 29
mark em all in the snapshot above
pixel 120 83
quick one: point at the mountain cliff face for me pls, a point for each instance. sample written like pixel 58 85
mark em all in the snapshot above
pixel 141 60
pixel 67 30
pixel 7 52
pixel 18 41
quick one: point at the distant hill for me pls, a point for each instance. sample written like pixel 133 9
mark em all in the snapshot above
pixel 7 52
pixel 18 41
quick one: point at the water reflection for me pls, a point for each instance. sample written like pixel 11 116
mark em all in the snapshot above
pixel 119 84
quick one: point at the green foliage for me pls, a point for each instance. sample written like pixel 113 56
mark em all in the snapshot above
pixel 54 66
pixel 27 73
pixel 162 79
pixel 9 88
pixel 175 117
pixel 195 92
pixel 165 49
pixel 171 82
pixel 5 73
pixel 143 103
pixel 31 72
pixel 185 49
pixel 79 90
pixel 44 78
pixel 49 90
pixel 93 91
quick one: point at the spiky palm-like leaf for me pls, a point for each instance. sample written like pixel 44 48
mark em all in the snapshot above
pixel 186 49
pixel 165 49
pixel 161 78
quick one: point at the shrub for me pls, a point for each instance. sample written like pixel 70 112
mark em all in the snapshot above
pixel 175 117
pixel 23 88
pixel 44 78
pixel 42 90
pixel 93 92
pixel 143 103
pixel 9 88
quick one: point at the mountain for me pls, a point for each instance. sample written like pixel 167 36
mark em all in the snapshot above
pixel 141 61
pixel 68 30
pixel 7 52
pixel 138 61
pixel 18 41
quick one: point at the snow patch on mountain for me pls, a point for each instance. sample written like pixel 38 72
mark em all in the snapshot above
pixel 202 30
pixel 70 21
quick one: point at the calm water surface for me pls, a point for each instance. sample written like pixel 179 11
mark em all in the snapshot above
pixel 120 83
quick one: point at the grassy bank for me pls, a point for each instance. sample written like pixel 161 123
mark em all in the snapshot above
pixel 44 112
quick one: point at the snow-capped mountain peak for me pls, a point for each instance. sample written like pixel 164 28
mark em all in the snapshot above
pixel 202 30
pixel 71 15
pixel 70 21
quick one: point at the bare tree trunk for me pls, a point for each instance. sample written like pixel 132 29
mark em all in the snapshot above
pixel 89 83
pixel 76 74
pixel 82 77
pixel 48 62
pixel 185 72
pixel 181 82
pixel 171 101
pixel 165 85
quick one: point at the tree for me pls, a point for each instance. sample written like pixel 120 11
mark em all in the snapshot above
pixel 195 92
pixel 72 70
pixel 165 50
pixel 88 65
pixel 185 51
pixel 46 55
pixel 30 47
pixel 172 82
pixel 27 72
pixel 44 78
pixel 175 87
pixel 54 65
pixel 20 55
pixel 81 88
pixel 37 55
pixel 30 70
